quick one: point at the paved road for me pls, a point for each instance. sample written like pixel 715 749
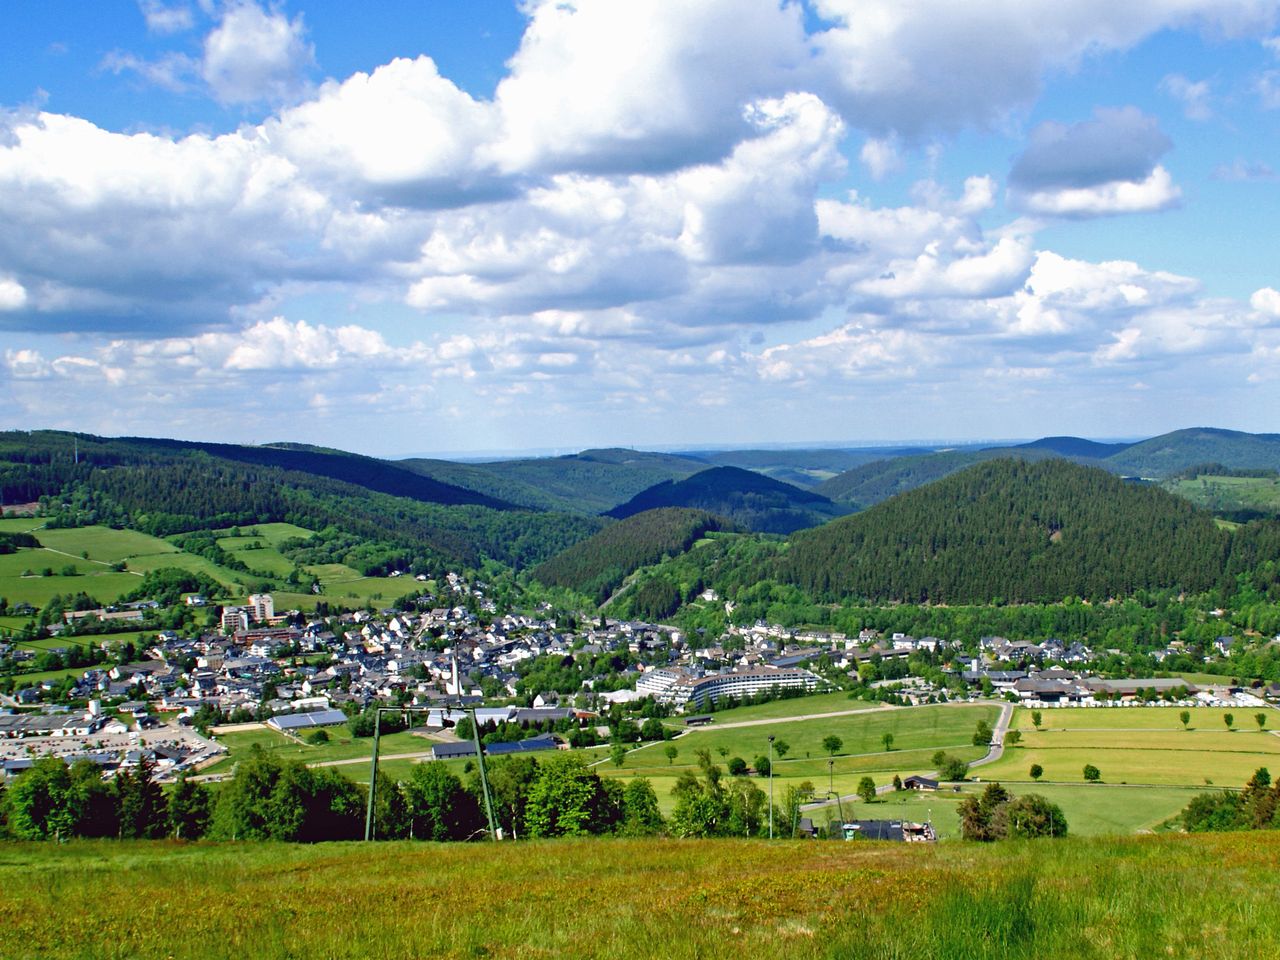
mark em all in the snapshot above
pixel 808 716
pixel 996 750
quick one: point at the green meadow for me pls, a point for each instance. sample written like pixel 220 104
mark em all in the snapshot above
pixel 256 547
pixel 1204 896
pixel 1141 745
pixel 340 747
pixel 918 733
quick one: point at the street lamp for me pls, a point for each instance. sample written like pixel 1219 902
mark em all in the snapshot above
pixel 830 775
pixel 771 787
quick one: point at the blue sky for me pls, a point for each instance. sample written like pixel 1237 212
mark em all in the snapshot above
pixel 461 225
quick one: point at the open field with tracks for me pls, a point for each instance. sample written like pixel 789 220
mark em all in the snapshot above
pixel 1208 896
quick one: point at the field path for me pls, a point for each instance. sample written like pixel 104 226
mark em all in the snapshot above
pixel 103 563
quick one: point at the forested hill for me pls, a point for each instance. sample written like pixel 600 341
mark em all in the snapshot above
pixel 50 457
pixel 751 500
pixel 163 488
pixel 1015 531
pixel 1173 453
pixel 1159 457
pixel 597 566
pixel 589 482
pixel 872 483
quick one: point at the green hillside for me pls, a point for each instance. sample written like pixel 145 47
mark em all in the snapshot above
pixel 1085 899
pixel 597 566
pixel 1015 531
pixel 749 499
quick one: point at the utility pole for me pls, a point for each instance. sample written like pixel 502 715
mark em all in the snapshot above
pixel 770 786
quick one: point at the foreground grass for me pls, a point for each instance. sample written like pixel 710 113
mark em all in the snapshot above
pixel 1203 896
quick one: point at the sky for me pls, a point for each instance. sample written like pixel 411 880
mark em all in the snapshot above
pixel 472 225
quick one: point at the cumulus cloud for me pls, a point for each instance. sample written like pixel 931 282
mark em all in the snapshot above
pixel 1116 145
pixel 649 194
pixel 1156 192
pixel 254 55
pixel 402 133
pixel 145 230
pixel 644 85
pixel 1266 301
pixel 910 65
pixel 1107 165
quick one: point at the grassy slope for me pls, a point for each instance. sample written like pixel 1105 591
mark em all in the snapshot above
pixel 1205 896
pixel 1227 494
pixel 143 553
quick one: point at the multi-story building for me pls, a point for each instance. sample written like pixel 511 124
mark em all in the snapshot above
pixel 261 607
pixel 677 687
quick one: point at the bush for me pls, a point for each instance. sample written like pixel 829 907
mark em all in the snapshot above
pixel 737 767
pixel 1091 773
pixel 317 737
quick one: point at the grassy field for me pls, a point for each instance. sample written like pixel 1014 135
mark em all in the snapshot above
pixel 20 524
pixel 918 733
pixel 270 534
pixel 1170 896
pixel 341 746
pixel 104 544
pixel 1140 745
pixel 1230 493
pixel 915 728
pixel 1140 718
pixel 142 553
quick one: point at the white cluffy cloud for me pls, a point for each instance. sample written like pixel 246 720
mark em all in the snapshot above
pixel 253 55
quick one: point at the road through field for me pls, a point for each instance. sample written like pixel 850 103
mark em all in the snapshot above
pixel 770 721
pixel 996 750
